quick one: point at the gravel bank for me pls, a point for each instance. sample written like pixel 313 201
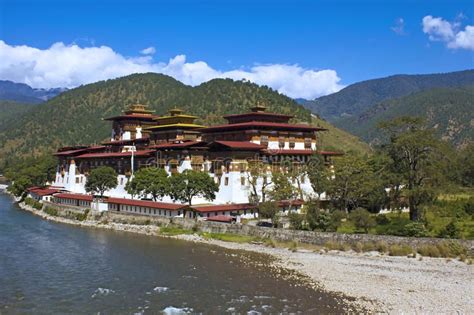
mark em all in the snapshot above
pixel 377 282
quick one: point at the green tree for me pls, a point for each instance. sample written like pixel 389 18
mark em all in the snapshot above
pixel 413 151
pixel 269 210
pixel 101 179
pixel 149 181
pixel 319 175
pixel 19 186
pixel 362 219
pixel 282 188
pixel 316 218
pixel 189 184
pixel 354 183
pixel 257 174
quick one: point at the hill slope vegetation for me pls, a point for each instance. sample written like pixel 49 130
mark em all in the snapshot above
pixel 357 98
pixel 448 110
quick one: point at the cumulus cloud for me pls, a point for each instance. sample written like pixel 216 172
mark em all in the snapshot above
pixel 399 27
pixel 450 33
pixel 148 51
pixel 71 65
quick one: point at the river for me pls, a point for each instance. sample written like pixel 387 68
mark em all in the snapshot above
pixel 53 268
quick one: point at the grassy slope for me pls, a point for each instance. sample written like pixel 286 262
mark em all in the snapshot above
pixel 338 139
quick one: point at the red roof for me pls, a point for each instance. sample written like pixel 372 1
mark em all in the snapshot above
pixel 43 191
pixel 257 114
pixel 290 152
pixel 72 152
pixel 134 116
pixel 242 145
pixel 146 203
pixel 174 145
pixel 300 152
pixel 115 154
pixel 74 196
pixel 125 142
pixel 221 218
pixel 226 207
pixel 262 125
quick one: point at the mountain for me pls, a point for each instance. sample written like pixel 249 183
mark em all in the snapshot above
pixel 20 92
pixel 448 110
pixel 356 98
pixel 75 116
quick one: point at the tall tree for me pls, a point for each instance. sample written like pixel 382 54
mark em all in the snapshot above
pixel 413 150
pixel 282 188
pixel 149 181
pixel 318 174
pixel 189 184
pixel 258 181
pixel 101 179
pixel 354 182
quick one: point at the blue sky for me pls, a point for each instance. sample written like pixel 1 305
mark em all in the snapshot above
pixel 358 40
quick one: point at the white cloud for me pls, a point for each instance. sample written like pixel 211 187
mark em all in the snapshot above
pixel 148 51
pixel 399 27
pixel 439 29
pixel 71 65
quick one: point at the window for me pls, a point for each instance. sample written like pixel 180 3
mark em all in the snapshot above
pixel 292 142
pixel 121 180
pixel 281 142
pixel 242 181
pixel 264 140
pixel 226 182
pixel 307 143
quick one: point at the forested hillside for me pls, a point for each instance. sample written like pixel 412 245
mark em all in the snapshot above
pixel 449 111
pixel 75 116
pixel 10 111
pixel 359 97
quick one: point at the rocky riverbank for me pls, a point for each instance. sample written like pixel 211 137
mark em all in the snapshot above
pixel 376 282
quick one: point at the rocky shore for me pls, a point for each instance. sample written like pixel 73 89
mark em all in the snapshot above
pixel 377 283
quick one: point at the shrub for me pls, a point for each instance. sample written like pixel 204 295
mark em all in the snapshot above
pixel 358 247
pixel 82 216
pixel 469 206
pixel 51 211
pixel 416 229
pixel 296 220
pixel 381 246
pixel 450 231
pixel 362 219
pixel 368 246
pixel 429 251
pixel 195 228
pixel 317 219
pixel 331 245
pixel 400 250
pixel 336 220
pixel 382 219
pixel 455 248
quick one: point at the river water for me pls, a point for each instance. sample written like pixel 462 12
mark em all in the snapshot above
pixel 47 267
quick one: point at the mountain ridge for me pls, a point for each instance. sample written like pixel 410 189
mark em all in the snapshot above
pixel 21 92
pixel 358 97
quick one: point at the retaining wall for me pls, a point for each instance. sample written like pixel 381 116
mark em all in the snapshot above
pixel 283 235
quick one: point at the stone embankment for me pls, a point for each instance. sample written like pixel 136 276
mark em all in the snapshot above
pixel 281 235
